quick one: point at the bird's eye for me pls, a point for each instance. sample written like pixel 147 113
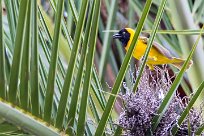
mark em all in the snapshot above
pixel 123 33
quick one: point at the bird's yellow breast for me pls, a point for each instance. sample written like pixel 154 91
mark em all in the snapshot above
pixel 141 48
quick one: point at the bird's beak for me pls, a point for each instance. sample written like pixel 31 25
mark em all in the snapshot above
pixel 117 36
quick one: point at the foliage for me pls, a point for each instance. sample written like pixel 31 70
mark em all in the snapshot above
pixel 52 51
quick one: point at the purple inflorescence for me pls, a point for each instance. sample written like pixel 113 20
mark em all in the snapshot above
pixel 141 107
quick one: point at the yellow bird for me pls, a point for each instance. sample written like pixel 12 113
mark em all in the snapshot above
pixel 158 55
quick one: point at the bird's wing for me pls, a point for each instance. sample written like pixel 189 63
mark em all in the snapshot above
pixel 158 47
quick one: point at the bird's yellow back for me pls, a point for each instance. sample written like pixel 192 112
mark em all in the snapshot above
pixel 158 55
pixel 154 57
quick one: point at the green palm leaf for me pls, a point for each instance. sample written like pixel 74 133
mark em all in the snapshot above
pixel 71 66
pixel 53 64
pixel 2 58
pixel 20 35
pixel 87 79
pixel 34 63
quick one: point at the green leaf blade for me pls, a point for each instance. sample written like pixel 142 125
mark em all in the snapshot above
pixel 108 37
pixel 74 98
pixel 149 44
pixel 53 63
pixel 26 121
pixel 15 69
pixel 34 63
pixel 2 58
pixel 200 130
pixel 88 73
pixel 71 66
pixel 25 72
pixel 11 19
pixel 190 105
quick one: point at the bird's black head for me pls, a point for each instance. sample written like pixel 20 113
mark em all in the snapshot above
pixel 123 35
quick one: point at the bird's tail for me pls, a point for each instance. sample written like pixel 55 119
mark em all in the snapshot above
pixel 178 63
